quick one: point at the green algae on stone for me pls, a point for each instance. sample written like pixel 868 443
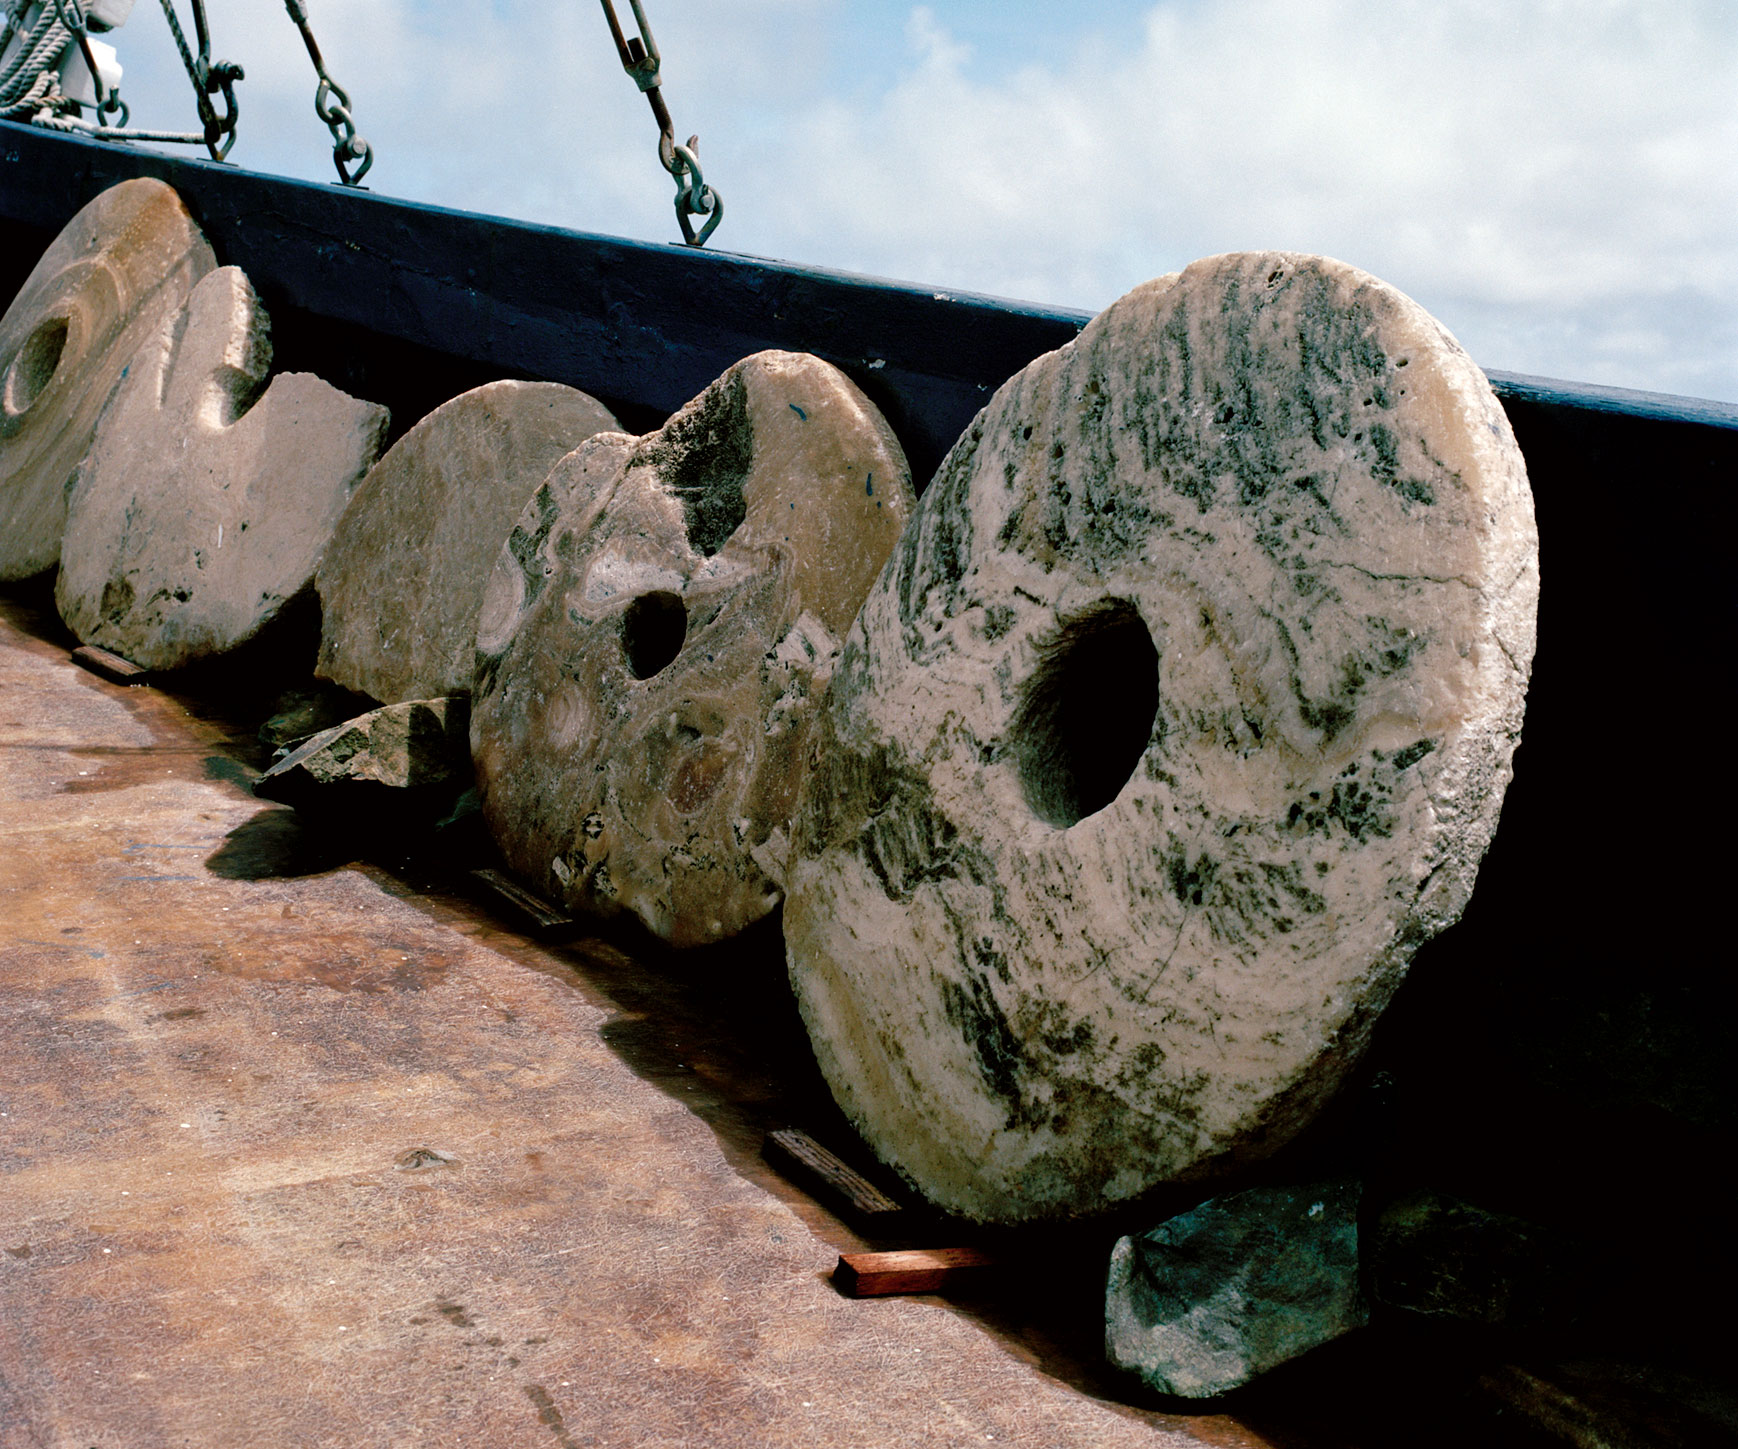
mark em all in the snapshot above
pixel 1180 717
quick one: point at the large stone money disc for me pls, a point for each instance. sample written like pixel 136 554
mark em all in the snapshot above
pixel 206 502
pixel 403 580
pixel 656 635
pixel 1180 718
pixel 117 272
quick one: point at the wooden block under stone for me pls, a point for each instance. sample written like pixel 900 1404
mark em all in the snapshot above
pixel 827 1175
pixel 110 666
pixel 546 922
pixel 917 1270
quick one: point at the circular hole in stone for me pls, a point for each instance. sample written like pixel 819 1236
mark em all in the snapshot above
pixel 1087 714
pixel 652 632
pixel 33 365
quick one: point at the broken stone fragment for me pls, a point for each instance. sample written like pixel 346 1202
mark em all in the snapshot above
pixel 420 744
pixel 403 580
pixel 116 274
pixel 1180 718
pixel 208 495
pixel 1205 1302
pixel 656 636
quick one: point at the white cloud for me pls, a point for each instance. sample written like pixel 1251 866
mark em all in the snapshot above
pixel 1557 181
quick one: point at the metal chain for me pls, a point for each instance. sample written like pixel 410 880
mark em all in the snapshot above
pixel 71 15
pixel 208 80
pixel 30 83
pixel 30 86
pixel 640 59
pixel 332 105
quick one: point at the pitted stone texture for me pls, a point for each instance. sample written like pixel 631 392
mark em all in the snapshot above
pixel 402 582
pixel 206 502
pixel 117 273
pixel 656 637
pixel 1180 718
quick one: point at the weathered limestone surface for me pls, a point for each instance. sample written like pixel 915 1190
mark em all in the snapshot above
pixel 402 582
pixel 117 273
pixel 1216 1296
pixel 1180 718
pixel 208 495
pixel 656 636
pixel 408 746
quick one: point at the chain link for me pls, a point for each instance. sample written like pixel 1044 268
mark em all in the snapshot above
pixel 332 106
pixel 208 80
pixel 640 59
pixel 71 15
pixel 30 86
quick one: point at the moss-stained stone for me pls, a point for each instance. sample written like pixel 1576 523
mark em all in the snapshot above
pixel 656 636
pixel 402 582
pixel 209 494
pixel 1217 1296
pixel 118 271
pixel 1181 716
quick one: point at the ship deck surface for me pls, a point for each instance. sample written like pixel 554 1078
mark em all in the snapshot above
pixel 219 1041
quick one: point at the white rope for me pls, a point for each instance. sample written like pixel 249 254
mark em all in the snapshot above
pixel 30 81
pixel 30 86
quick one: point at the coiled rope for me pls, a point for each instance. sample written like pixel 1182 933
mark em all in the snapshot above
pixel 30 81
pixel 30 87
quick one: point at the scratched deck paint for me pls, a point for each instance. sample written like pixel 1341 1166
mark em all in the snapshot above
pixel 315 1159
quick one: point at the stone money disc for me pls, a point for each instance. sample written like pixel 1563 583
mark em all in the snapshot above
pixel 208 496
pixel 117 272
pixel 655 640
pixel 1181 716
pixel 403 580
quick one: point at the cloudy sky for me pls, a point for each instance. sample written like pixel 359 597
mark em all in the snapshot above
pixel 1556 180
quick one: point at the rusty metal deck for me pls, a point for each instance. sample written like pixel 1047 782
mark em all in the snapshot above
pixel 226 1062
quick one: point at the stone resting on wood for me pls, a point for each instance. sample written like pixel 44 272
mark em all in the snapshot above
pixel 402 582
pixel 208 495
pixel 117 272
pixel 656 635
pixel 1180 718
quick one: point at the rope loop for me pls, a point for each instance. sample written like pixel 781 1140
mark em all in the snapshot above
pixel 30 87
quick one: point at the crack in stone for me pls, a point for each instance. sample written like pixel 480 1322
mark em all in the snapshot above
pixel 1398 578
